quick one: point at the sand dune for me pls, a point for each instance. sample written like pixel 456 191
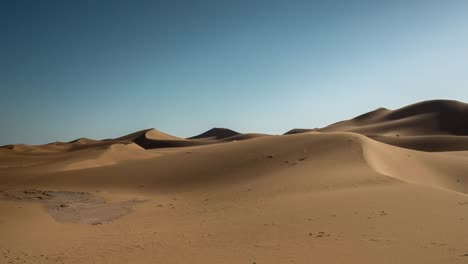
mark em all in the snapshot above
pixel 266 156
pixel 353 192
pixel 35 148
pixel 243 137
pixel 152 138
pixel 299 130
pixel 83 141
pixel 436 117
pixel 108 156
pixel 432 143
pixel 151 134
pixel 436 125
pixel 216 133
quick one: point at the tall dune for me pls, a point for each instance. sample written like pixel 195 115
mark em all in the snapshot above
pixel 436 125
pixel 436 117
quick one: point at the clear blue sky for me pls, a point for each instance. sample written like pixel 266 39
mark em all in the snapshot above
pixel 102 69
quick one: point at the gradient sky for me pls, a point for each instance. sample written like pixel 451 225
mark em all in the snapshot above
pixel 102 69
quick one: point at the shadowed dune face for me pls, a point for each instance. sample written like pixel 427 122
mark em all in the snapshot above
pixel 83 141
pixel 299 130
pixel 216 133
pixel 151 139
pixel 437 125
pixel 437 117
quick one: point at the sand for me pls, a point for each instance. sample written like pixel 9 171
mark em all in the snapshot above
pixel 390 186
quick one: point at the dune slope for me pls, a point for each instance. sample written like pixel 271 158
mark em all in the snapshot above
pixel 216 133
pixel 436 117
pixel 437 125
pixel 327 197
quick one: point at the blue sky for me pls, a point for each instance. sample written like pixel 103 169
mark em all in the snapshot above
pixel 102 69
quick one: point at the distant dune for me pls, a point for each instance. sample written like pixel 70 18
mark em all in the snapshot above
pixel 386 186
pixel 437 125
pixel 83 141
pixel 299 130
pixel 216 133
pixel 152 138
pixel 243 137
pixel 437 117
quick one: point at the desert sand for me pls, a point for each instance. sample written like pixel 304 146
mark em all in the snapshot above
pixel 389 186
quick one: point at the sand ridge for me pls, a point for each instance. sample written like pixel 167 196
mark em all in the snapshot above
pixel 435 117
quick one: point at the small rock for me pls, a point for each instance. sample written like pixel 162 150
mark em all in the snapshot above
pixel 47 194
pixel 320 234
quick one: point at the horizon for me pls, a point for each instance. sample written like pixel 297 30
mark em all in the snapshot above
pixel 240 132
pixel 108 68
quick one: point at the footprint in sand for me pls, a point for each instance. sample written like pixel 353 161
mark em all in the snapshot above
pixel 319 234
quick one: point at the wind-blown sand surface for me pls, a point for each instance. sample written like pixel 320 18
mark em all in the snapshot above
pixel 385 187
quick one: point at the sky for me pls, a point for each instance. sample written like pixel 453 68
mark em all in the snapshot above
pixel 102 69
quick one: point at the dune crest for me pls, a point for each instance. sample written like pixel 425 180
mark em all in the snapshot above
pixel 435 125
pixel 216 133
pixel 110 155
pixel 435 117
pixel 299 130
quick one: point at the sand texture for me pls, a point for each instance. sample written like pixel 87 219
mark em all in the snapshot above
pixel 389 186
